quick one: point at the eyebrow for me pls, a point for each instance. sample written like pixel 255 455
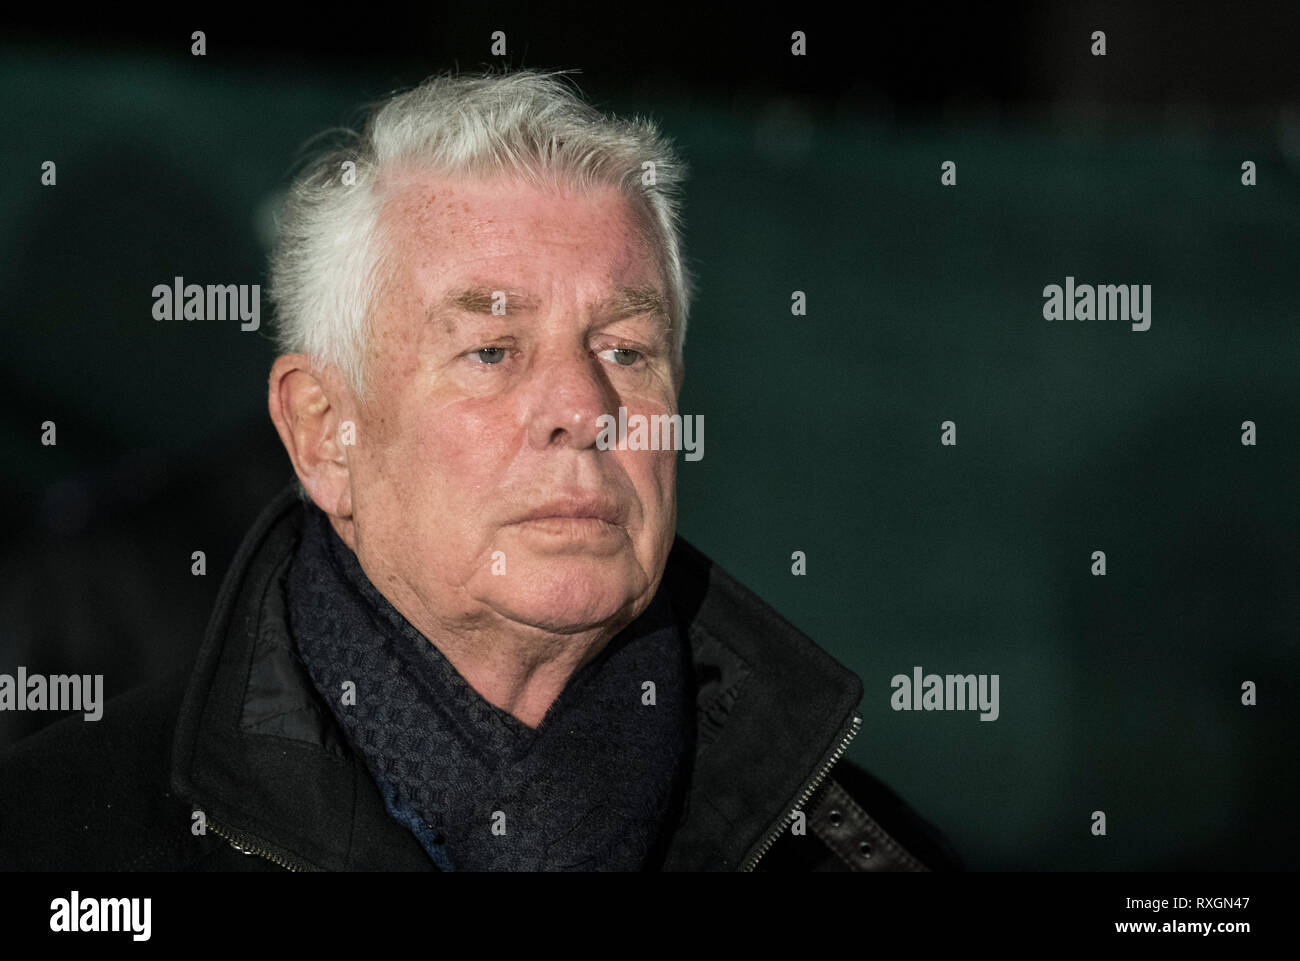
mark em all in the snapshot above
pixel 626 301
pixel 633 302
pixel 479 300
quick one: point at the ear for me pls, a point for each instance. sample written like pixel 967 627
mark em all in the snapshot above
pixel 305 408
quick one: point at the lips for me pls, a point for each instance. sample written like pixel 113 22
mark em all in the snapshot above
pixel 576 507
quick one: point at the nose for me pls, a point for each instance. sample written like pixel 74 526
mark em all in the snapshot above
pixel 570 392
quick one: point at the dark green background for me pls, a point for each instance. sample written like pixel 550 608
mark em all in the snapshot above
pixel 1119 694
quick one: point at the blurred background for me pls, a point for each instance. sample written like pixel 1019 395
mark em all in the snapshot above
pixel 821 174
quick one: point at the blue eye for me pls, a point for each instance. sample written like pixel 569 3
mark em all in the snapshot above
pixel 491 355
pixel 625 356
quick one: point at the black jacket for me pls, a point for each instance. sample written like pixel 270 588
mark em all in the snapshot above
pixel 244 739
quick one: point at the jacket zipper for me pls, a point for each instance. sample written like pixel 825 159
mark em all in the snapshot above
pixel 855 723
pixel 247 844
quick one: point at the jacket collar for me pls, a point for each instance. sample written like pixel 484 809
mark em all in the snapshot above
pixel 260 755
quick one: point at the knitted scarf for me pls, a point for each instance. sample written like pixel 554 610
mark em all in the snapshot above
pixel 596 786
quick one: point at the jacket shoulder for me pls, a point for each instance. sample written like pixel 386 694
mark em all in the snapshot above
pixel 727 622
pixel 94 795
pixel 854 822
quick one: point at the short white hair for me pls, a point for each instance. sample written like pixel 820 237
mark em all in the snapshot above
pixel 331 260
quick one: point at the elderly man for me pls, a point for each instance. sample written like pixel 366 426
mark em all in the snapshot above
pixel 468 638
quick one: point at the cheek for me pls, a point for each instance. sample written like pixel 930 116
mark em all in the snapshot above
pixel 662 523
pixel 654 475
pixel 665 473
pixel 460 450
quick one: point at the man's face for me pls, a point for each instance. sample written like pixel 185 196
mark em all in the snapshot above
pixel 478 491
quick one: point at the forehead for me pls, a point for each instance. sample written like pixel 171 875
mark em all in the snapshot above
pixel 444 227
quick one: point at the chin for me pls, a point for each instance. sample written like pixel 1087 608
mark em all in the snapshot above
pixel 567 595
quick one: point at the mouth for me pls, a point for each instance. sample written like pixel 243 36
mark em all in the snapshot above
pixel 581 519
pixel 575 509
pixel 571 528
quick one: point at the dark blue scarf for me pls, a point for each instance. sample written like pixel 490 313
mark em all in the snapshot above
pixel 595 787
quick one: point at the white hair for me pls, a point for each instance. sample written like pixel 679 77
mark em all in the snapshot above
pixel 332 260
